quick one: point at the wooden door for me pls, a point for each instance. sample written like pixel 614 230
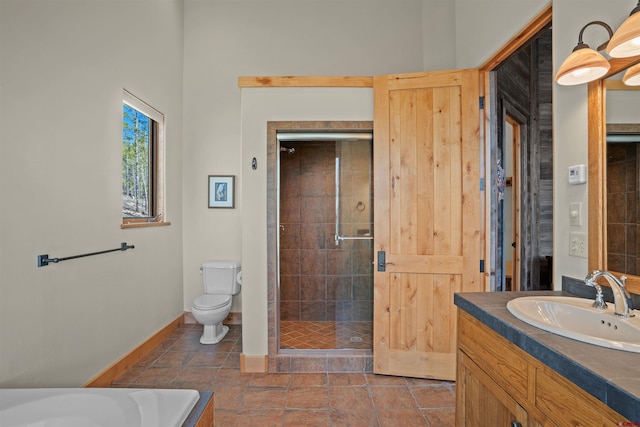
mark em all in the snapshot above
pixel 427 217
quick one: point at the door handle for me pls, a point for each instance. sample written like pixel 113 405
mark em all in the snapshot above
pixel 382 263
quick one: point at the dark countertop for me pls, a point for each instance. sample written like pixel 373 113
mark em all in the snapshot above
pixel 612 376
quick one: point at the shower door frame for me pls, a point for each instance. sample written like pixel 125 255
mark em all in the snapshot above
pixel 289 360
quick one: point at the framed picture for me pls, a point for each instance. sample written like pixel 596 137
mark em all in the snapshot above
pixel 221 191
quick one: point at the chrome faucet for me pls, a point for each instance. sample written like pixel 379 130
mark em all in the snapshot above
pixel 599 302
pixel 621 297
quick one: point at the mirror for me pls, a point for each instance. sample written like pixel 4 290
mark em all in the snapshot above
pixel 602 233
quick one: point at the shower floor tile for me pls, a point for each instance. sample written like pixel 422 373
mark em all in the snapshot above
pixel 303 335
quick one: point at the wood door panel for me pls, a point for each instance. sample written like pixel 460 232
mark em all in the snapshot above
pixel 433 365
pixel 427 216
pixel 441 264
pixel 421 319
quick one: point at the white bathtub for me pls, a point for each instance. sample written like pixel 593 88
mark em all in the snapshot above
pixel 95 407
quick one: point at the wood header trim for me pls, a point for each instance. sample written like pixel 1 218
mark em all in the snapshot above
pixel 534 27
pixel 618 85
pixel 305 81
pixel 620 64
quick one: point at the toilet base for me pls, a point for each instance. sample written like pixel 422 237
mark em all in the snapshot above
pixel 213 334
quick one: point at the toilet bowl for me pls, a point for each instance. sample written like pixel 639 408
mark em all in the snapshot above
pixel 210 311
pixel 221 280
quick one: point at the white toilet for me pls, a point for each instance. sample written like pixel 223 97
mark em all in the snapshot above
pixel 222 280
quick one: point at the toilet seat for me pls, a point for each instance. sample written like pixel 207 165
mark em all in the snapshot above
pixel 211 302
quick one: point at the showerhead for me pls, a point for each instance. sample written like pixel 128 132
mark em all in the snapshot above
pixel 287 150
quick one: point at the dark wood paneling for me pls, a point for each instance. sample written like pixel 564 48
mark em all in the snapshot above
pixel 524 91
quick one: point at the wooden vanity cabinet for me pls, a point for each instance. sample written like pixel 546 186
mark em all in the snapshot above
pixel 484 402
pixel 499 385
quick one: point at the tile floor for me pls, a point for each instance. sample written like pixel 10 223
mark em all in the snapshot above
pixel 296 399
pixel 304 335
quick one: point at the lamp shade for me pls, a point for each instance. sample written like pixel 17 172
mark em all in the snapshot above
pixel 626 40
pixel 632 76
pixel 582 66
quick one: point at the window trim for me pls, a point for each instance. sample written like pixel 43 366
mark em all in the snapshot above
pixel 158 206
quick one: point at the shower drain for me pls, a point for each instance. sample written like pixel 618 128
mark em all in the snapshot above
pixel 356 339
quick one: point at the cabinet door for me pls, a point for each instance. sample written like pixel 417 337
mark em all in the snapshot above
pixel 483 403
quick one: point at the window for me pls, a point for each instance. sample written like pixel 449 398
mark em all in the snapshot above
pixel 142 163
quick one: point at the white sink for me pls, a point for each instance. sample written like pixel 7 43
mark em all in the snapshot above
pixel 575 318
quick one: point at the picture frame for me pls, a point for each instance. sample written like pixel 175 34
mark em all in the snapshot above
pixel 222 191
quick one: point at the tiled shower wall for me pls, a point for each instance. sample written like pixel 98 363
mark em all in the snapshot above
pixel 319 280
pixel 623 221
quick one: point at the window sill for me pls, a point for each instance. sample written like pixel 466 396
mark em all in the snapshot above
pixel 144 224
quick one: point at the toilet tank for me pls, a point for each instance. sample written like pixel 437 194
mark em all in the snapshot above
pixel 221 277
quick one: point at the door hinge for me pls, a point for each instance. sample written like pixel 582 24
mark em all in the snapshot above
pixel 481 184
pixel 482 102
pixel 481 266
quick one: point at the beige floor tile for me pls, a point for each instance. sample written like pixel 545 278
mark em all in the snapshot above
pixel 392 397
pixel 437 396
pixel 308 398
pixel 290 399
pixel 440 417
pixel 402 417
pixel 307 418
pixel 264 398
pixel 354 417
pixel 350 397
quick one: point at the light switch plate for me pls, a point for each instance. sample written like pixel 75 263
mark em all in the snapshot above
pixel 575 214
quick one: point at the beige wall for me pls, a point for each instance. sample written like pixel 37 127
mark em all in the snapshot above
pixel 225 39
pixel 260 105
pixel 64 65
pixel 299 38
pixel 570 121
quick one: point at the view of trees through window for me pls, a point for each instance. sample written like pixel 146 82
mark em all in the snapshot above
pixel 136 162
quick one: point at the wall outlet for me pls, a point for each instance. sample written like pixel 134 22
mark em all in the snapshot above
pixel 578 244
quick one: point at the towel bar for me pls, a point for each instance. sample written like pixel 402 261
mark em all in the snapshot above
pixel 44 260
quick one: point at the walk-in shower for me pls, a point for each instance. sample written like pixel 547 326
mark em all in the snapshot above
pixel 325 240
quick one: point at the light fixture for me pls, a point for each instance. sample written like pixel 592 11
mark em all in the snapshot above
pixel 584 64
pixel 626 40
pixel 632 76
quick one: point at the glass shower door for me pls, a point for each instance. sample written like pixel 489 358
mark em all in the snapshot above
pixel 325 241
pixel 354 242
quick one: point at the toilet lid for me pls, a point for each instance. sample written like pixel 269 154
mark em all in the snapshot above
pixel 210 302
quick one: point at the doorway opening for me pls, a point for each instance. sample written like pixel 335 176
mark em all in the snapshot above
pixel 321 247
pixel 325 235
pixel 522 222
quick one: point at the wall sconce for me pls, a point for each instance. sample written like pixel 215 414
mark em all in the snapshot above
pixel 626 41
pixel 585 64
pixel 632 76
